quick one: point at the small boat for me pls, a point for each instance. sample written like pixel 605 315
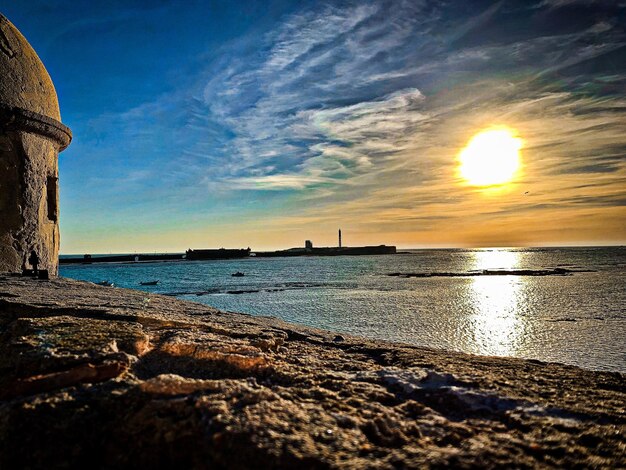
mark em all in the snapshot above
pixel 149 283
pixel 238 274
pixel 105 283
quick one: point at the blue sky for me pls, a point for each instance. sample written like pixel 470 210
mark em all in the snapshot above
pixel 215 123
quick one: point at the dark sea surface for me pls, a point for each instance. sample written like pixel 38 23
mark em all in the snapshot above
pixel 578 319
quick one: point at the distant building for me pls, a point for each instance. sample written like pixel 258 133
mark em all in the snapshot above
pixel 308 245
pixel 31 137
pixel 339 238
pixel 221 253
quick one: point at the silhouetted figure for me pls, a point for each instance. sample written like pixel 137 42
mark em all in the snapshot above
pixel 33 259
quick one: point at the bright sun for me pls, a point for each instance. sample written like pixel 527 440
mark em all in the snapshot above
pixel 491 157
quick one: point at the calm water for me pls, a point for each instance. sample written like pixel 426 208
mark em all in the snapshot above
pixel 578 319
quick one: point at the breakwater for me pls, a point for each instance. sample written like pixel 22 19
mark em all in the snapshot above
pixel 127 258
pixel 227 253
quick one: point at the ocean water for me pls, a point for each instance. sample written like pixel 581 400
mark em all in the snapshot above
pixel 577 319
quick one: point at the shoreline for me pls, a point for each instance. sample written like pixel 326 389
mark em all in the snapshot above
pixel 88 369
pixel 262 293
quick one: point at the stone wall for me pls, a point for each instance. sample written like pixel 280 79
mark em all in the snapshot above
pixel 11 219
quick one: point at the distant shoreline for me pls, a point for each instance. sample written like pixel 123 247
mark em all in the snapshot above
pixel 221 253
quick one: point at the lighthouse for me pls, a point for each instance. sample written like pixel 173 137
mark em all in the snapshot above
pixel 339 238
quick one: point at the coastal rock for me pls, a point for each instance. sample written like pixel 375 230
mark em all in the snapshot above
pixel 107 378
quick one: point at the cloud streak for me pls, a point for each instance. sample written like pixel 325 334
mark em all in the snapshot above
pixel 355 112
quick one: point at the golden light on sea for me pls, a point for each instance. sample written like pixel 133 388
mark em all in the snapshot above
pixel 491 157
pixel 497 324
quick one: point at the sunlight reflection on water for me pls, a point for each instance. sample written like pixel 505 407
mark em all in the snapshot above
pixel 495 258
pixel 495 324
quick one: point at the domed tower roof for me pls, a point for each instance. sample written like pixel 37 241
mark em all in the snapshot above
pixel 28 100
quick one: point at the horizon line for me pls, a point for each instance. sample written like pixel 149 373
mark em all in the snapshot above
pixel 399 248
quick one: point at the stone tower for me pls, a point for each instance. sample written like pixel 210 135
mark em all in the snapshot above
pixel 31 137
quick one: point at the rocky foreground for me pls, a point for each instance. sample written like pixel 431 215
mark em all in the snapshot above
pixel 102 377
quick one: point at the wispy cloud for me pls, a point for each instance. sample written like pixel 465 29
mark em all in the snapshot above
pixel 357 112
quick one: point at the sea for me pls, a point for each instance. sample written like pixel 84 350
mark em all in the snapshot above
pixel 578 318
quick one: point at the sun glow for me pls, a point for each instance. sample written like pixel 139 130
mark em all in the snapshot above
pixel 491 157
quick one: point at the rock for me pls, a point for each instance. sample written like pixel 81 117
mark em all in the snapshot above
pixel 105 377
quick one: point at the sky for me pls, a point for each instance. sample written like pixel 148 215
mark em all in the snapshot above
pixel 202 124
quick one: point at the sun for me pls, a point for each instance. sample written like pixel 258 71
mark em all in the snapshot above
pixel 491 157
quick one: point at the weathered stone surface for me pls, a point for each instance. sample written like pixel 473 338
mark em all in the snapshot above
pixel 28 170
pixel 104 377
pixel 31 136
pixel 24 82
